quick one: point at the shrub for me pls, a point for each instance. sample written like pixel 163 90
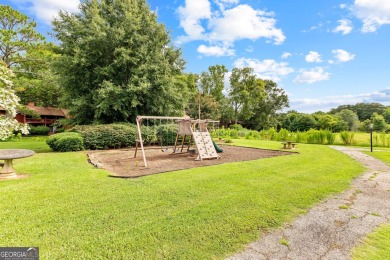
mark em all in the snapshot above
pixel 101 137
pixel 284 135
pixel 166 134
pixel 39 130
pixel 253 135
pixel 347 137
pixel 330 137
pixel 300 137
pixel 149 135
pixel 66 142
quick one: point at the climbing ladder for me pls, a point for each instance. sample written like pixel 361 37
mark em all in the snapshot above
pixel 204 144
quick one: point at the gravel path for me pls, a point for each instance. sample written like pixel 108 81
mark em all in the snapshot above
pixel 331 229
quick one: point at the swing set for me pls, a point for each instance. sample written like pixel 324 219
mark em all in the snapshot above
pixel 188 131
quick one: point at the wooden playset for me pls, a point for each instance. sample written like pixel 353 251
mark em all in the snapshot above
pixel 188 131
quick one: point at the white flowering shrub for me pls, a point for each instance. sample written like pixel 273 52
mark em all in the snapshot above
pixel 9 102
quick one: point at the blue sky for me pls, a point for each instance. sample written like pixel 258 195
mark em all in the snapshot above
pixel 324 53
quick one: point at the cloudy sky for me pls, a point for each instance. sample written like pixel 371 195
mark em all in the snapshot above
pixel 324 53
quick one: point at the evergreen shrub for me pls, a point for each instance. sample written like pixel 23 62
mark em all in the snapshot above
pixel 66 142
pixel 39 130
pixel 102 137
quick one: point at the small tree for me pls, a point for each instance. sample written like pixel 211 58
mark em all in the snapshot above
pixel 350 117
pixel 9 102
pixel 378 122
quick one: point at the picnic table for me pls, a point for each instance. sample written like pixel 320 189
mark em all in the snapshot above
pixel 8 155
pixel 289 145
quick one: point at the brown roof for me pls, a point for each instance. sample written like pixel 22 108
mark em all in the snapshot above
pixel 45 111
pixel 48 111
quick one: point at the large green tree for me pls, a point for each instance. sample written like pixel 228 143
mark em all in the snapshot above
pixel 242 83
pixel 266 100
pixel 28 55
pixel 17 37
pixel 117 62
pixel 212 82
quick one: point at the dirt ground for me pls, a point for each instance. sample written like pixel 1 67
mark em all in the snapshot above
pixel 121 163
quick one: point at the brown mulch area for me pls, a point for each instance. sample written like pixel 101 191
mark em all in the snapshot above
pixel 121 163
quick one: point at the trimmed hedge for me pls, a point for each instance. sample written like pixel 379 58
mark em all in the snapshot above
pixel 166 134
pixel 66 142
pixel 113 136
pixel 39 130
pixel 102 137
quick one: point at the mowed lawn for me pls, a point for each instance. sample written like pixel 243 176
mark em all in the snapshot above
pixel 376 245
pixel 74 211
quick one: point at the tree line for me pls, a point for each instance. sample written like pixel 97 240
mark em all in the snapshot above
pixel 358 117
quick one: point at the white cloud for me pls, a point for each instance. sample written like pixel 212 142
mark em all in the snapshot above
pixel 342 55
pixel 190 18
pixel 265 69
pixel 345 26
pixel 46 10
pixel 373 13
pixel 313 56
pixel 310 105
pixel 285 55
pixel 343 6
pixel 232 22
pixel 312 75
pixel 215 50
pixel 378 96
pixel 314 27
pixel 244 22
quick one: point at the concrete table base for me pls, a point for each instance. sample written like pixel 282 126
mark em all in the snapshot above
pixel 8 155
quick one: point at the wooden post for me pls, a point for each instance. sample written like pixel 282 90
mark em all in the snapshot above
pixel 140 141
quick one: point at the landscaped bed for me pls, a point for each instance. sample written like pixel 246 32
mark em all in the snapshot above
pixel 121 163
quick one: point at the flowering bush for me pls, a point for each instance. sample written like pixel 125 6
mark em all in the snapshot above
pixel 9 102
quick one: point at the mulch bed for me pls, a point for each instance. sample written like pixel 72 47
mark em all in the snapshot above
pixel 121 162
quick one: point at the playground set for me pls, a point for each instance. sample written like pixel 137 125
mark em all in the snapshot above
pixel 189 131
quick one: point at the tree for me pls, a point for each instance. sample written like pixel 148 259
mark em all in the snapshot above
pixel 378 122
pixel 209 107
pixel 242 81
pixel 350 118
pixel 212 82
pixel 37 82
pixel 303 122
pixel 326 121
pixel 17 36
pixel 363 110
pixel 25 52
pixel 117 62
pixel 386 115
pixel 265 101
pixel 9 102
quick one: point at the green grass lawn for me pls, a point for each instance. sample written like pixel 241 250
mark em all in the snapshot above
pixel 74 211
pixel 376 245
pixel 363 139
pixel 35 143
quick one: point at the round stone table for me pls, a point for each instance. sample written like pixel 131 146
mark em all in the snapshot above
pixel 8 155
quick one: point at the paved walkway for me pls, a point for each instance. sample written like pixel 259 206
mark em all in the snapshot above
pixel 331 229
